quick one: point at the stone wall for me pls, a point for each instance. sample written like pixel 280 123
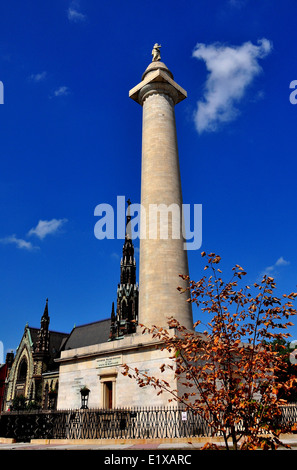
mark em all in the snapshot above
pixel 100 366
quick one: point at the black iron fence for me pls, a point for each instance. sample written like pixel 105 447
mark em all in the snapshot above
pixel 133 423
pixel 289 415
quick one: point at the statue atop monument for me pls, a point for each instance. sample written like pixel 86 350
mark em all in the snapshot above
pixel 156 52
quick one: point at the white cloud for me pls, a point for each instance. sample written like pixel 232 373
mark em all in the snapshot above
pixel 19 242
pixel 279 262
pixel 47 227
pixel 74 14
pixel 282 262
pixel 231 69
pixel 62 91
pixel 38 77
pixel 42 229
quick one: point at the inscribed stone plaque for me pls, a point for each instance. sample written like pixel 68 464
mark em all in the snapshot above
pixel 109 361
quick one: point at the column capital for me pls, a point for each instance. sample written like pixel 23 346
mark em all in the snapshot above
pixel 157 81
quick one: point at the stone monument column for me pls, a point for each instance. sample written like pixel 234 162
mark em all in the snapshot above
pixel 162 253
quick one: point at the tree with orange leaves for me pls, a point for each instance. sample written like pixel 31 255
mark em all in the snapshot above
pixel 228 371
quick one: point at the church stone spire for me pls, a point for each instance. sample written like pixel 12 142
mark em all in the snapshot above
pixel 125 319
pixel 128 264
pixel 41 353
pixel 45 316
pixel 42 345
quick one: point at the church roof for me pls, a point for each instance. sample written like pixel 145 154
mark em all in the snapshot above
pixel 56 339
pixel 88 334
pixel 56 344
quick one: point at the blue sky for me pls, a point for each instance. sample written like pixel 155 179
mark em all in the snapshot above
pixel 70 139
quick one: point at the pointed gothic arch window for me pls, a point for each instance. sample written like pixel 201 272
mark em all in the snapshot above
pixel 22 370
pixel 124 309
